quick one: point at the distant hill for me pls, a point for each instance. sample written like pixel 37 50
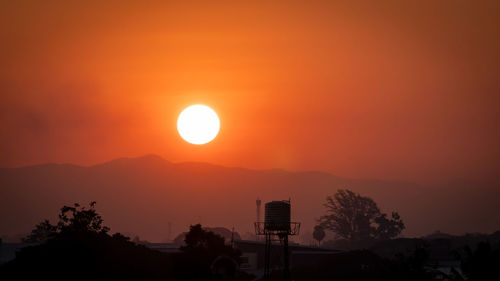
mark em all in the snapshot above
pixel 142 195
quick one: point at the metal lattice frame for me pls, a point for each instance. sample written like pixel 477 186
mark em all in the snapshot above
pixel 280 233
pixel 261 228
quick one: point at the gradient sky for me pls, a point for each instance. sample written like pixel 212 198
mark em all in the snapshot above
pixel 394 89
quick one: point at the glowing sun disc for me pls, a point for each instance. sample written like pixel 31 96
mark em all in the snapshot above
pixel 198 124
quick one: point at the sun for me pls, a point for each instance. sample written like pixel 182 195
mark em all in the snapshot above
pixel 198 124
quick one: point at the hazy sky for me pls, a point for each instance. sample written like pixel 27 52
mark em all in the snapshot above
pixel 395 90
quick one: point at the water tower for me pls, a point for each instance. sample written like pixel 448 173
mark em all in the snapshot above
pixel 277 226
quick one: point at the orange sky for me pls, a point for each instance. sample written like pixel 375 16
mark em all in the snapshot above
pixel 393 91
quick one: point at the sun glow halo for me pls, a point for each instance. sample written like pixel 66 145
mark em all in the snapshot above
pixel 198 124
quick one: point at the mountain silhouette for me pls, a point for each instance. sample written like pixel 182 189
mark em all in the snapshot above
pixel 144 195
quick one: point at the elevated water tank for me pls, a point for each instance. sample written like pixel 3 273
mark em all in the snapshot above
pixel 277 215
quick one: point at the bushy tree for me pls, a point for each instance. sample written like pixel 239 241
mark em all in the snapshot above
pixel 41 232
pixel 388 228
pixel 82 219
pixel 354 217
pixel 73 219
pixel 79 247
pixel 201 250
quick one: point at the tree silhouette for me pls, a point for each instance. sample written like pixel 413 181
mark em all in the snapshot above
pixel 74 219
pixel 388 228
pixel 201 250
pixel 78 218
pixel 355 218
pixel 319 233
pixel 79 247
pixel 41 232
pixel 200 240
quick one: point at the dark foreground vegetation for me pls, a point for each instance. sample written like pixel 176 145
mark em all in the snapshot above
pixel 80 247
pixel 478 264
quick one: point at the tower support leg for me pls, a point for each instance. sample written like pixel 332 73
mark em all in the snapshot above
pixel 267 258
pixel 286 257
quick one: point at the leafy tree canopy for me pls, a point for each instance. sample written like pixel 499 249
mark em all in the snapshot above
pixel 199 255
pixel 71 219
pixel 355 217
